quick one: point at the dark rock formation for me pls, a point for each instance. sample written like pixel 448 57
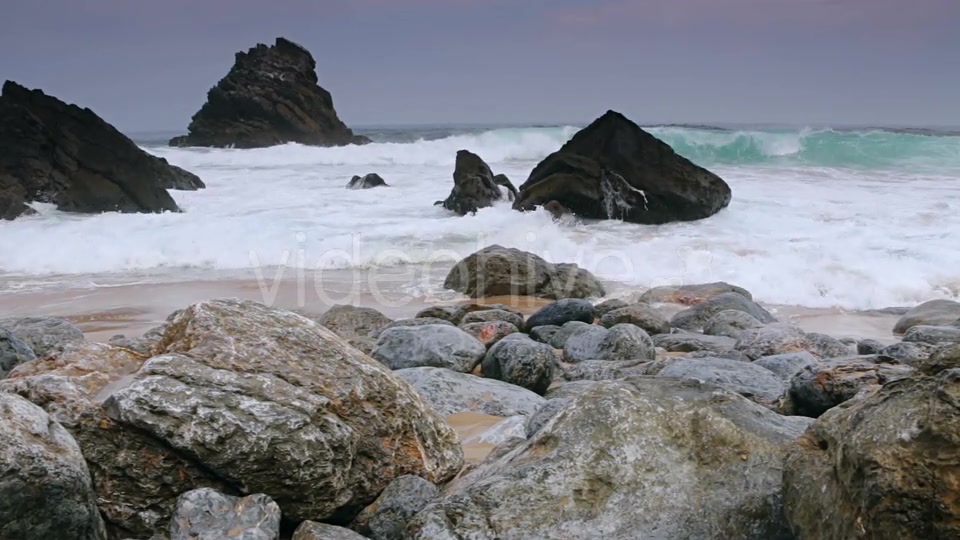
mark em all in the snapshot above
pixel 61 154
pixel 366 182
pixel 269 97
pixel 613 169
pixel 474 185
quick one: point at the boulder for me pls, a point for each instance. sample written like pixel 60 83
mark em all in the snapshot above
pixel 559 339
pixel 387 517
pixel 205 514
pixel 522 362
pixel 641 315
pixel 561 312
pixel 750 381
pixel 730 323
pixel 691 295
pixel 934 335
pixel 932 313
pixel 607 306
pixel 882 466
pixel 450 392
pixel 638 458
pixel 354 322
pixel 269 97
pixel 697 317
pixel 455 314
pixel 822 386
pixel 13 352
pixel 489 333
pixel 869 346
pixel 613 169
pixel 824 346
pixel 785 366
pixel 488 315
pixel 691 342
pixel 545 333
pixel 474 186
pixel 499 271
pixel 605 370
pixel 44 335
pixel 621 342
pixel 773 339
pixel 45 486
pixel 503 181
pixel 368 181
pixel 309 530
pixel 906 352
pixel 62 154
pixel 418 321
pixel 432 345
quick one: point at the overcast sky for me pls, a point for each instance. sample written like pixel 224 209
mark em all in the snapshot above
pixel 147 64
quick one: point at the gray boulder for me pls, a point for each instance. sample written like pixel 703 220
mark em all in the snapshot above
pixel 522 362
pixel 45 486
pixel 638 458
pixel 604 370
pixel 622 342
pixel 205 514
pixel 906 352
pixel 690 342
pixel 731 323
pixel 309 530
pixel 883 466
pixel 13 352
pixel 772 339
pixel 932 313
pixel 696 318
pixel 824 346
pixel 352 322
pixel 490 315
pixel 559 339
pixel 544 334
pixel 691 295
pixel 869 346
pixel 822 386
pixel 45 335
pixel 750 381
pixel 641 315
pixel 934 335
pixel 417 321
pixel 489 333
pixel 607 306
pixel 785 366
pixel 435 345
pixel 544 414
pixel 562 312
pixel 387 517
pixel 449 392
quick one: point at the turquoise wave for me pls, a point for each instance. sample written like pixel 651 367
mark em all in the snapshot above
pixel 815 147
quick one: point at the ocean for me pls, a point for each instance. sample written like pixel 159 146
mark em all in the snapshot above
pixel 820 218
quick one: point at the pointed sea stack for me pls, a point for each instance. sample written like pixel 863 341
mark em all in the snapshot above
pixel 613 169
pixel 269 97
pixel 61 154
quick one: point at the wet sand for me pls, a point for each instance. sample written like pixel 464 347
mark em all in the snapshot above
pixel 103 312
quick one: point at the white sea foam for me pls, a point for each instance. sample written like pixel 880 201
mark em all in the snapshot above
pixel 794 234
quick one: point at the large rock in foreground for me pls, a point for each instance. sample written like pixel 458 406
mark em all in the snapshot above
pixel 269 97
pixel 474 185
pixel 61 154
pixel 639 458
pixel 500 271
pixel 881 467
pixel 613 169
pixel 45 488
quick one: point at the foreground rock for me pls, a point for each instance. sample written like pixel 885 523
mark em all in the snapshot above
pixel 474 185
pixel 432 345
pixel 684 461
pixel 750 381
pixel 61 154
pixel 45 335
pixel 387 517
pixel 499 271
pixel 932 313
pixel 204 514
pixel 45 487
pixel 697 317
pixel 269 97
pixel 880 467
pixel 613 169
pixel 449 392
pixel 819 387
pixel 242 395
pixel 368 181
pixel 522 362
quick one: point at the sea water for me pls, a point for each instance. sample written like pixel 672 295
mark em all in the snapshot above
pixel 855 219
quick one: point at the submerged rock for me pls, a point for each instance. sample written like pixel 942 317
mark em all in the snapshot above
pixel 639 458
pixel 45 486
pixel 613 169
pixel 883 466
pixel 499 271
pixel 932 313
pixel 269 97
pixel 474 186
pixel 449 392
pixel 205 514
pixel 368 181
pixel 65 155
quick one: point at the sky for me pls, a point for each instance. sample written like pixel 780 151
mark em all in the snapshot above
pixel 146 65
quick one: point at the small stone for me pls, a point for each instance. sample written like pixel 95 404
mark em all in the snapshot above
pixel 640 315
pixel 387 517
pixel 205 514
